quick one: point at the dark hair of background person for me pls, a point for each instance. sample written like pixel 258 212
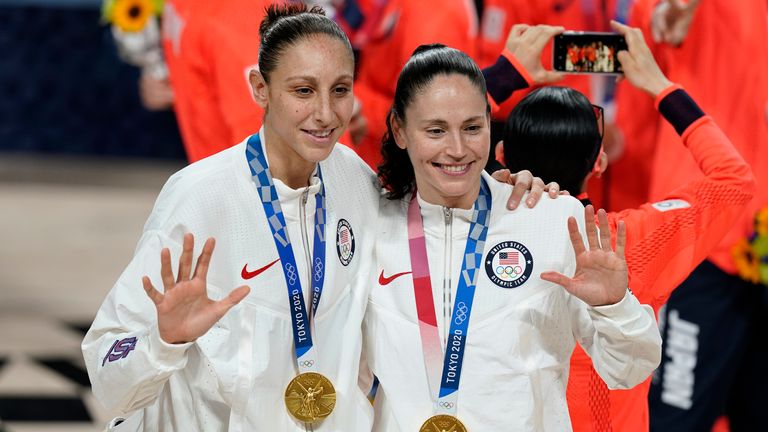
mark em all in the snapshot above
pixel 427 61
pixel 287 24
pixel 553 132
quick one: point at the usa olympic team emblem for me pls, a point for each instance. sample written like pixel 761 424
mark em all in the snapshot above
pixel 345 242
pixel 509 264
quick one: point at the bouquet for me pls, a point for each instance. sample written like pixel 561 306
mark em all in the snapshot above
pixel 136 29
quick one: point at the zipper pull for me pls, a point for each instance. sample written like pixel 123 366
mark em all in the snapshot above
pixel 447 213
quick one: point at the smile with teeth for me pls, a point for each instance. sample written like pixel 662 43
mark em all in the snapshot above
pixel 319 133
pixel 452 168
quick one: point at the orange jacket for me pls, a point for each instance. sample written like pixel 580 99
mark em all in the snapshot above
pixel 723 63
pixel 626 184
pixel 663 247
pixel 665 242
pixel 403 26
pixel 209 47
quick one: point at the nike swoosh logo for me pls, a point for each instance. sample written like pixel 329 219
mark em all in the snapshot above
pixel 387 280
pixel 250 275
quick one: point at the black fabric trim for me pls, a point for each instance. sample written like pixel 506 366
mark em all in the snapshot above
pixel 502 79
pixel 43 409
pixel 680 110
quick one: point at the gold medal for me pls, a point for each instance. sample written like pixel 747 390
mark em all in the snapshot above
pixel 310 397
pixel 443 423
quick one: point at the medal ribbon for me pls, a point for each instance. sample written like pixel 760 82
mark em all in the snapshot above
pixel 302 335
pixel 453 357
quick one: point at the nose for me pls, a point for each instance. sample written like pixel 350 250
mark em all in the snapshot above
pixel 455 145
pixel 323 113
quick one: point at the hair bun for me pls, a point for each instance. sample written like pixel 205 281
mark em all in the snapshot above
pixel 276 12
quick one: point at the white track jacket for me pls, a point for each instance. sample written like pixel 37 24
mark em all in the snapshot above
pixel 520 336
pixel 234 377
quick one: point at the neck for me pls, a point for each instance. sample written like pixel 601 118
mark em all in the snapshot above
pixel 284 163
pixel 466 201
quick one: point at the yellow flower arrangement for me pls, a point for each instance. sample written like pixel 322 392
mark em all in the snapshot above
pixel 130 15
pixel 751 253
pixel 761 222
pixel 746 261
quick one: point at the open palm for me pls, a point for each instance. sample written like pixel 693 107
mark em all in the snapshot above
pixel 184 311
pixel 601 273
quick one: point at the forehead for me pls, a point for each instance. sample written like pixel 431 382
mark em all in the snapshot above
pixel 316 55
pixel 447 97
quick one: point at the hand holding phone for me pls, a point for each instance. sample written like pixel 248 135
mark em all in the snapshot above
pixel 588 52
pixel 526 43
pixel 640 68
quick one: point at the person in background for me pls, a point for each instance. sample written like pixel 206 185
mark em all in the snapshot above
pixel 714 320
pixel 555 133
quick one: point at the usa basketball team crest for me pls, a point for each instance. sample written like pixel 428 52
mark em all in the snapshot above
pixel 345 242
pixel 509 264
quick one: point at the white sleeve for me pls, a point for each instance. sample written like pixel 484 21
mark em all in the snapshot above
pixel 127 361
pixel 622 339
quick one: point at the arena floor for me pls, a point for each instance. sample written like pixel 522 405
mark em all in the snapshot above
pixel 67 229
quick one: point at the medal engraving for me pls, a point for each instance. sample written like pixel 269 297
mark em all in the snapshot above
pixel 310 397
pixel 443 423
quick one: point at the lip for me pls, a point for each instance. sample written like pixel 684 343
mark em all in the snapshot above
pixel 320 140
pixel 452 172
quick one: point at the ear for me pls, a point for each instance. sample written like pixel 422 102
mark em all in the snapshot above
pixel 499 153
pixel 397 131
pixel 601 164
pixel 258 87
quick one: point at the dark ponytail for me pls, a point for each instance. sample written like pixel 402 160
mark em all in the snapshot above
pixel 427 61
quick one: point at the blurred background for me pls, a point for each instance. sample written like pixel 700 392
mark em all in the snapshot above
pixel 81 162
pixel 101 100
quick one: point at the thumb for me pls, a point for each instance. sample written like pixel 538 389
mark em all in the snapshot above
pixel 236 296
pixel 558 278
pixel 628 63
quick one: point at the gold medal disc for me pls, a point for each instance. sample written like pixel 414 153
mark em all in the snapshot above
pixel 310 397
pixel 443 423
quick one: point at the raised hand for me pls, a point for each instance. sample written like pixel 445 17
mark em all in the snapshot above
pixel 184 311
pixel 671 20
pixel 601 273
pixel 639 66
pixel 526 43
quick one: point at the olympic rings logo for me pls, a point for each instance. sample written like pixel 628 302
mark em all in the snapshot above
pixel 290 271
pixel 461 313
pixel 448 405
pixel 318 269
pixel 307 363
pixel 509 272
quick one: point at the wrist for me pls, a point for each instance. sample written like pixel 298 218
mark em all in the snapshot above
pixel 657 86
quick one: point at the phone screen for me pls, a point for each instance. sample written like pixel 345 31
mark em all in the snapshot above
pixel 588 52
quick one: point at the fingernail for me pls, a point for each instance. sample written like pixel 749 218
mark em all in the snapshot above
pixel 513 205
pixel 529 202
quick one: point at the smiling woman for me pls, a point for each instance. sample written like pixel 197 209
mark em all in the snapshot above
pixel 474 305
pixel 290 211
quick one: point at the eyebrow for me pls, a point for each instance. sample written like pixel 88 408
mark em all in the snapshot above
pixel 313 79
pixel 442 122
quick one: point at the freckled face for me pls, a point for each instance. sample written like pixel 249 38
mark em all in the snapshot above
pixel 309 98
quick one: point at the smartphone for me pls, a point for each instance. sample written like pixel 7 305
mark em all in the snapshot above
pixel 588 52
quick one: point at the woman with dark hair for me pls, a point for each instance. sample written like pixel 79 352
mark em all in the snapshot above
pixel 291 212
pixel 553 125
pixel 472 303
pixel 555 132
